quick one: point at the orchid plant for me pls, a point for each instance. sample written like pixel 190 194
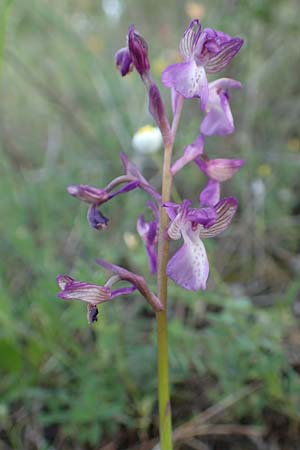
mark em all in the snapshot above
pixel 203 51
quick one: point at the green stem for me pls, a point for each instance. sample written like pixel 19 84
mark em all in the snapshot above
pixel 165 418
pixel 165 415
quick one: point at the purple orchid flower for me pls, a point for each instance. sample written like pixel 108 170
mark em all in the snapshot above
pixel 203 51
pixel 148 231
pixel 189 267
pixel 92 294
pixel 219 169
pixel 218 119
pixel 210 194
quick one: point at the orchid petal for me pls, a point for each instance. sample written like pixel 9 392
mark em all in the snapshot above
pixel 190 38
pixel 189 267
pixel 188 79
pixel 210 195
pixel 80 290
pixel 227 51
pixel 219 169
pixel 225 209
pixel 88 193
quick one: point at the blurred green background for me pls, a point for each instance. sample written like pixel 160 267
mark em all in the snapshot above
pixel 65 114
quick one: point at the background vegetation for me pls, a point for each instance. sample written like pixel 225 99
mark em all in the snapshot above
pixel 64 116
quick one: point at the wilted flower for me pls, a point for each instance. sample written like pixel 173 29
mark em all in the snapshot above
pixel 203 51
pixel 218 118
pixel 92 294
pixel 189 267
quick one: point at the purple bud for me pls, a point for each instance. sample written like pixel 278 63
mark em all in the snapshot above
pixel 138 51
pixel 96 219
pixel 88 194
pixel 123 61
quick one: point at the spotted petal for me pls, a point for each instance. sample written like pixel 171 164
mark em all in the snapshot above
pixel 189 267
pixel 188 79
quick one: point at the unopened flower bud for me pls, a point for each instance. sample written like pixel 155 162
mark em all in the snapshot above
pixel 138 51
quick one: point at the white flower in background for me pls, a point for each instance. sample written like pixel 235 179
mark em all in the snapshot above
pixel 147 140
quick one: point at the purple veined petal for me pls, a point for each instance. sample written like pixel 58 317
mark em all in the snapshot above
pixel 190 38
pixel 96 219
pixel 210 195
pixel 122 291
pixel 187 79
pixel 225 209
pixel 189 267
pixel 88 193
pixel 180 221
pixel 220 169
pixel 190 153
pixel 123 61
pixel 136 280
pixel 227 51
pixel 86 292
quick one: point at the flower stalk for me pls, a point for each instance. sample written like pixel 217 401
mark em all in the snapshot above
pixel 165 419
